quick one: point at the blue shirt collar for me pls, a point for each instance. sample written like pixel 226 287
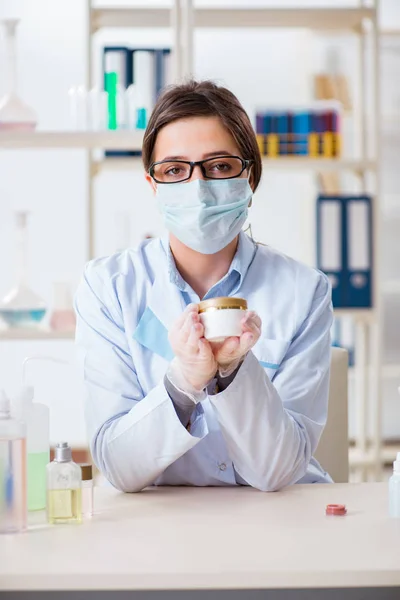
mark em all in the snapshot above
pixel 240 264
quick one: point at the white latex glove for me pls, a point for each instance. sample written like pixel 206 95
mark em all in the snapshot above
pixel 230 353
pixel 194 365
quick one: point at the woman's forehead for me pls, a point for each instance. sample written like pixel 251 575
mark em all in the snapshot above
pixel 195 138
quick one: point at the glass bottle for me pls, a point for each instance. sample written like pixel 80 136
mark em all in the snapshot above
pixel 15 114
pixel 13 511
pixel 22 307
pixel 87 491
pixel 64 504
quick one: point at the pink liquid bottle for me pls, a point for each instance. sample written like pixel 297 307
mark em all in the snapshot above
pixel 13 476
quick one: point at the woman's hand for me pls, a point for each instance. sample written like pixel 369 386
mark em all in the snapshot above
pixel 194 363
pixel 231 352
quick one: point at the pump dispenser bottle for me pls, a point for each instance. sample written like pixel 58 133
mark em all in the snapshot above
pixel 64 481
pixel 394 489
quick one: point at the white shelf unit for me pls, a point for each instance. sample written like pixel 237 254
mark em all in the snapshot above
pixel 328 19
pixel 89 140
pixel 367 322
pixel 183 18
pixel 35 334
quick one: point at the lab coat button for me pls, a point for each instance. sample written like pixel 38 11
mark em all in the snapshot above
pixel 222 466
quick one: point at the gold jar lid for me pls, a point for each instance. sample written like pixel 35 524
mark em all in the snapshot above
pixel 222 303
pixel 87 472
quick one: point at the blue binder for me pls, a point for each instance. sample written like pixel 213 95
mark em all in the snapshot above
pixel 283 132
pixel 344 248
pixel 301 129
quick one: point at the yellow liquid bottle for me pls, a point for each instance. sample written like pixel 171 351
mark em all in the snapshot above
pixel 64 506
pixel 64 503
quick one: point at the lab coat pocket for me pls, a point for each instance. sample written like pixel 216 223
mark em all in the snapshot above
pixel 270 354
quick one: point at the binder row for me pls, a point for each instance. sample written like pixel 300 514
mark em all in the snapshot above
pixel 314 133
pixel 133 79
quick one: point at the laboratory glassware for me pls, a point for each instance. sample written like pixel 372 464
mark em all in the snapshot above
pixel 15 114
pixel 21 306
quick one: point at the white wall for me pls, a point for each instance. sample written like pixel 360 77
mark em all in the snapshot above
pixel 260 67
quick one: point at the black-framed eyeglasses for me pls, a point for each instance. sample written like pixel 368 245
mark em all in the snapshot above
pixel 218 167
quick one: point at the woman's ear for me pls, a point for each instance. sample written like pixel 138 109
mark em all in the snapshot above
pixel 250 177
pixel 150 180
pixel 251 183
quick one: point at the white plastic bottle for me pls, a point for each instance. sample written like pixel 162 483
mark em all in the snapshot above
pixel 36 418
pixel 394 489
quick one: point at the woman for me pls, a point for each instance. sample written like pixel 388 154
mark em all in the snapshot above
pixel 163 405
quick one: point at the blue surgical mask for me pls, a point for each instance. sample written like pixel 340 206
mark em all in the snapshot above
pixel 205 215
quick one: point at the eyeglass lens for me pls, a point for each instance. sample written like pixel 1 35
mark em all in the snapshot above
pixel 214 168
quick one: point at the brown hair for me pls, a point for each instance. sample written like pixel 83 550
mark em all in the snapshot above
pixel 203 99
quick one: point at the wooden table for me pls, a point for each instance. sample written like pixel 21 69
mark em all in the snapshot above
pixel 202 541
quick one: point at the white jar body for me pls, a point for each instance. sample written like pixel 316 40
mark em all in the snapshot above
pixel 394 496
pixel 222 323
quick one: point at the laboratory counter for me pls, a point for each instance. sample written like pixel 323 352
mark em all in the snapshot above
pixel 197 542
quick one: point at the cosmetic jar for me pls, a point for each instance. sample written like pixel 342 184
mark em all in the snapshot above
pixel 221 317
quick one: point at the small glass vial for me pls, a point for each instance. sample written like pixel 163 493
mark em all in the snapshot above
pixel 394 489
pixel 64 480
pixel 222 317
pixel 87 491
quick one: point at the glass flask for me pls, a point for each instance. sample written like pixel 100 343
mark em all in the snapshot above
pixel 15 114
pixel 21 306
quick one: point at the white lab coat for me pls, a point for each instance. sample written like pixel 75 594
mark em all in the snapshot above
pixel 261 431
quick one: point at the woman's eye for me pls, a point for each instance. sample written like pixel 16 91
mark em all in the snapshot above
pixel 173 171
pixel 221 167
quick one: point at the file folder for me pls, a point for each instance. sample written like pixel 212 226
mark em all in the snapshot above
pixel 344 248
pixel 330 249
pixel 359 251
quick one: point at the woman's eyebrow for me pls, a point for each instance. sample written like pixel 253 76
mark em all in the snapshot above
pixel 206 155
pixel 218 153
